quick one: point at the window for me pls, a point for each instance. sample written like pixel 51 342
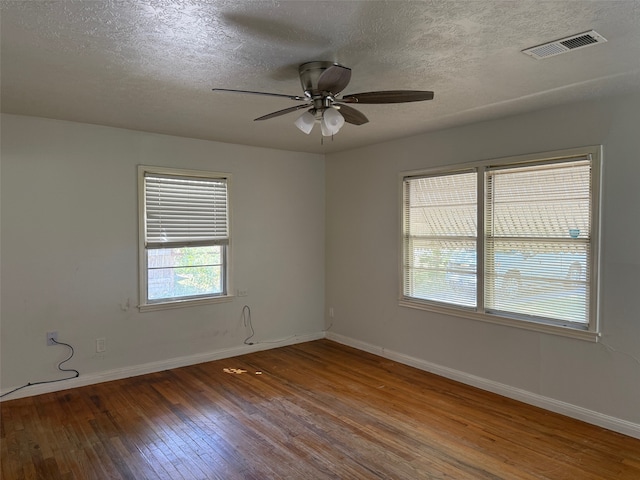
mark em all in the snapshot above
pixel 184 237
pixel 511 241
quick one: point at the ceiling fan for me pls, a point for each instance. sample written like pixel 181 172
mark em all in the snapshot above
pixel 322 82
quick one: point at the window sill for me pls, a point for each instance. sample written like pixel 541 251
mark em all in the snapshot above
pixel 568 331
pixel 150 307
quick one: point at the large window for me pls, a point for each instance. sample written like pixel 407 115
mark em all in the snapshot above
pixel 511 241
pixel 184 236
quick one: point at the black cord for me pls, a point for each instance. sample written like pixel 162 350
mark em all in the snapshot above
pixel 246 318
pixel 77 373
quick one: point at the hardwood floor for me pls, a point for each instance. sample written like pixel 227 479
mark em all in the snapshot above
pixel 317 410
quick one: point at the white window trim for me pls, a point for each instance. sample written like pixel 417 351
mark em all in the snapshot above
pixel 590 332
pixel 142 257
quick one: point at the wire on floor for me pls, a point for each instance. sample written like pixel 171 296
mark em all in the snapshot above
pixel 30 384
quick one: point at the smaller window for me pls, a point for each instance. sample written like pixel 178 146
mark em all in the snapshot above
pixel 184 236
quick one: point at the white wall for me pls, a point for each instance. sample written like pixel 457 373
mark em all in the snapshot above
pixel 69 248
pixel 362 260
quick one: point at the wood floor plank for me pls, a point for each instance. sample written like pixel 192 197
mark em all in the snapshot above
pixel 315 411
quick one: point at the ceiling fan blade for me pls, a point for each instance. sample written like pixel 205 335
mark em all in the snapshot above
pixel 291 97
pixel 334 79
pixel 351 115
pixel 282 112
pixel 388 96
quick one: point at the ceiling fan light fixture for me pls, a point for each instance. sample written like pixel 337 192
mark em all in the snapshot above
pixel 305 122
pixel 332 122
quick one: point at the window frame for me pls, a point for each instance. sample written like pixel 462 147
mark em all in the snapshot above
pixel 144 304
pixel 589 331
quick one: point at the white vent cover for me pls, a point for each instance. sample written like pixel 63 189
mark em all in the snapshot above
pixel 565 45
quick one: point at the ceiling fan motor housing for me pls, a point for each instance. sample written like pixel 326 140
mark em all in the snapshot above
pixel 310 74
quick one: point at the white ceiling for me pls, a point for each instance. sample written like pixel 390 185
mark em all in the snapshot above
pixel 151 64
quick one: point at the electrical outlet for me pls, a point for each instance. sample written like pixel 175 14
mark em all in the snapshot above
pixel 243 292
pixel 101 345
pixel 330 312
pixel 52 338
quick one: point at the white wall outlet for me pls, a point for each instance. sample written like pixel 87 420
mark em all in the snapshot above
pixel 101 345
pixel 52 338
pixel 330 312
pixel 243 292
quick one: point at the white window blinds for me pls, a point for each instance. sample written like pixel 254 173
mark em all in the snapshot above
pixel 537 240
pixel 511 240
pixel 440 229
pixel 185 211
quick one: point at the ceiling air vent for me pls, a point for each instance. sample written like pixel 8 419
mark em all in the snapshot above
pixel 565 45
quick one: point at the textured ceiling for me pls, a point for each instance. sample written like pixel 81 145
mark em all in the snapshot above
pixel 151 64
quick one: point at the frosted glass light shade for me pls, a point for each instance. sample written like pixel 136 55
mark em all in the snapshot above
pixel 305 122
pixel 332 122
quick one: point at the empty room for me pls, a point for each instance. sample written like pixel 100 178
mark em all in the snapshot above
pixel 320 239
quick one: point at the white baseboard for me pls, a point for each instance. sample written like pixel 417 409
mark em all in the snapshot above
pixel 595 418
pixel 135 370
